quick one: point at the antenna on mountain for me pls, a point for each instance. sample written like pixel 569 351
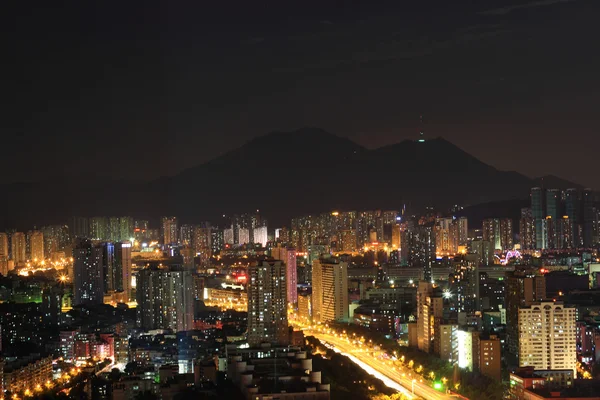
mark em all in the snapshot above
pixel 421 130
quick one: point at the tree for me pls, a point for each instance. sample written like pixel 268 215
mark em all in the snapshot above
pixel 130 368
pixel 114 375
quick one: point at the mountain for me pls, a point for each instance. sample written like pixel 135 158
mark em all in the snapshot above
pixel 310 170
pixel 283 174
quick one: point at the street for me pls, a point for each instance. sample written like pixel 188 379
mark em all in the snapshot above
pixel 379 364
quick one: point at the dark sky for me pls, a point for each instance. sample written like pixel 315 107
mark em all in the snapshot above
pixel 111 88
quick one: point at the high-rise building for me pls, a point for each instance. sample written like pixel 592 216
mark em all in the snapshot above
pixel 228 237
pixel 99 228
pixel 538 214
pixel 202 240
pixel 88 274
pixel 421 249
pixel 108 266
pixel 260 235
pixel 347 238
pixel 79 227
pixel 18 247
pixel 463 231
pixel 288 256
pixel 186 233
pixel 217 240
pixel 122 269
pixel 243 236
pixel 267 303
pixel 169 230
pixel 429 308
pixel 165 298
pixel 126 225
pixel 36 244
pixel 329 290
pixel 548 339
pixel 588 217
pixel 396 239
pixel 4 254
pixel 523 288
pixel 499 232
pixel 572 210
pixel 527 230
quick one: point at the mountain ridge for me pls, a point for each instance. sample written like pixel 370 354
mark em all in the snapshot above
pixel 284 174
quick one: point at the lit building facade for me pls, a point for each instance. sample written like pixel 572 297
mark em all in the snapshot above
pixel 165 298
pixel 267 303
pixel 548 336
pixel 330 290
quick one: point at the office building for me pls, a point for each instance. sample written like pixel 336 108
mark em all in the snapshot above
pixel 88 273
pixel 165 298
pixel 267 303
pixel 548 338
pixel 36 245
pixel 169 230
pixel 18 248
pixel 523 288
pixel 329 290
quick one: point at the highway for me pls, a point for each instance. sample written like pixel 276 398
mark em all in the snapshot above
pixel 392 372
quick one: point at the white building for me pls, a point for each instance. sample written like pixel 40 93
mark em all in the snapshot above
pixel 547 336
pixel 244 236
pixel 260 235
pixel 228 236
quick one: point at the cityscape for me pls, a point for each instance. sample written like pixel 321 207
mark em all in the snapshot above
pixel 267 200
pixel 427 305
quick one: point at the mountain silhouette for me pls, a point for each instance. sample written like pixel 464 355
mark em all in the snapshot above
pixel 283 174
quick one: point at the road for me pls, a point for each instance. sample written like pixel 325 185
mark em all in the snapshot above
pixel 381 366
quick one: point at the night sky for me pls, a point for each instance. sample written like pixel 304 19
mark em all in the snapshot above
pixel 117 90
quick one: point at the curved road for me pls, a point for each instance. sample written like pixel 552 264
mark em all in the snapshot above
pixel 399 375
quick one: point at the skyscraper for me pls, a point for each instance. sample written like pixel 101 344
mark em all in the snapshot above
pixel 186 233
pixel 548 338
pixel 572 209
pixel 79 227
pixel 421 249
pixel 165 298
pixel 538 214
pixel 588 217
pixel 122 269
pixel 18 247
pixel 330 290
pixel 267 303
pixel 169 230
pixel 87 268
pixel 36 244
pixel 108 266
